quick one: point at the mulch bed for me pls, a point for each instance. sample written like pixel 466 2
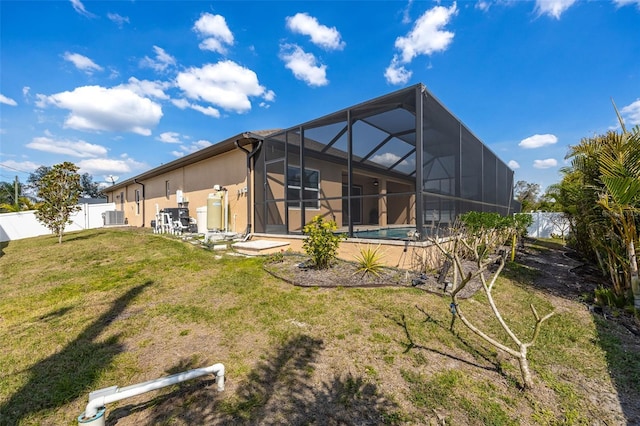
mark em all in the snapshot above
pixel 296 269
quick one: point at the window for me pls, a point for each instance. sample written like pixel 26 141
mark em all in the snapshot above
pixel 311 189
pixel 137 201
pixel 167 192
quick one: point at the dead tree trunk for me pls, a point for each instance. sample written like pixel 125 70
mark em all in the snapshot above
pixel 477 248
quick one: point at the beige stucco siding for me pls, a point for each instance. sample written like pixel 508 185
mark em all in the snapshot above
pixel 196 182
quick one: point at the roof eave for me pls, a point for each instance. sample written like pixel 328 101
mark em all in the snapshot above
pixel 208 152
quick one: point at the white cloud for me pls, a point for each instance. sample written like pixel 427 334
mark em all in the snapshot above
pixel 95 108
pixel 269 96
pixel 82 62
pixel 161 62
pixel 406 18
pixel 23 166
pixel 321 35
pixel 79 7
pixel 631 112
pixel 483 5
pixel 154 89
pixel 621 3
pixel 180 103
pixel 169 137
pixel 553 8
pixel 216 33
pixel 108 166
pixel 427 36
pixel 7 101
pixel 184 104
pixel 545 164
pixel 396 73
pixel 25 91
pixel 80 148
pixel 303 65
pixel 118 19
pixel 210 111
pixel 387 159
pixel 513 164
pixel 188 149
pixel 202 143
pixel 225 84
pixel 537 141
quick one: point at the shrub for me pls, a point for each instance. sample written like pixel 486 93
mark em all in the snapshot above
pixel 606 297
pixel 276 257
pixel 321 242
pixel 369 261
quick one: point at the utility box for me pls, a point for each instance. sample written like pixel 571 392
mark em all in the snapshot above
pixel 114 217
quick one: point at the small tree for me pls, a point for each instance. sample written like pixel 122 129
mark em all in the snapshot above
pixel 527 194
pixel 321 242
pixel 59 189
pixel 477 236
pixel 34 179
pixel 89 187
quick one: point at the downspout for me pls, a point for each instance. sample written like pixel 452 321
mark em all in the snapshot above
pixel 143 199
pixel 250 154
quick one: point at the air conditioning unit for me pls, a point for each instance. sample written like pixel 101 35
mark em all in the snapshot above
pixel 115 217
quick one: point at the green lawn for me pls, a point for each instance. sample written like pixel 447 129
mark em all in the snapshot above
pixel 118 307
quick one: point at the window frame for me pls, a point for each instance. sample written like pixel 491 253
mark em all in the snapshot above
pixel 296 204
pixel 137 198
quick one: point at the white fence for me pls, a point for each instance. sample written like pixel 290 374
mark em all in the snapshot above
pixel 15 226
pixel 547 223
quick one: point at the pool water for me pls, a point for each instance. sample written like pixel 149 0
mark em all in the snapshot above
pixel 403 233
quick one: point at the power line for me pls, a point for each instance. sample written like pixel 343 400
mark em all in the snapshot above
pixel 13 168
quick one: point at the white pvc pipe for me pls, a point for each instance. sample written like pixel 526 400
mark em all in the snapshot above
pixel 102 397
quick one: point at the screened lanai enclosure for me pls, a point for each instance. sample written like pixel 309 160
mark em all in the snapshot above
pixel 399 166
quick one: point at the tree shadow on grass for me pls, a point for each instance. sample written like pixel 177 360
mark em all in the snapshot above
pixel 410 344
pixel 82 235
pixel 69 373
pixel 282 389
pixel 622 351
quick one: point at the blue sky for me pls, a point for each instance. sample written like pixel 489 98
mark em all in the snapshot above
pixel 119 87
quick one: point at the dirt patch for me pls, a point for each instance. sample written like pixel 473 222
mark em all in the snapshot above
pixel 561 273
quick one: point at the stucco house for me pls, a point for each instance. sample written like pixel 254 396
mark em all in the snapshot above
pixel 379 169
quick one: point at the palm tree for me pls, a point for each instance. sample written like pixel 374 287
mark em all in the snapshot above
pixel 620 175
pixel 604 204
pixel 24 203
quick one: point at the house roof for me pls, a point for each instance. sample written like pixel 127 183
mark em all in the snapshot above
pixel 245 138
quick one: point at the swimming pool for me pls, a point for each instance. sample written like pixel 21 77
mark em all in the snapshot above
pixel 401 233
